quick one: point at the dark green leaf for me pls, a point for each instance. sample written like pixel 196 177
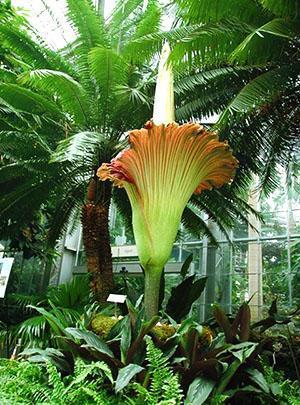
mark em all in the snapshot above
pixel 199 391
pixel 223 322
pixel 92 341
pixel 126 374
pixel 241 323
pixel 125 339
pixel 136 349
pixel 186 265
pixel 273 308
pixel 183 296
pixel 258 378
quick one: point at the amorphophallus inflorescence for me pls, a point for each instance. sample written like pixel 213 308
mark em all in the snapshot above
pixel 164 165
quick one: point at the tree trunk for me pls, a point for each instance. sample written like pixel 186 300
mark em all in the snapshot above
pixel 95 232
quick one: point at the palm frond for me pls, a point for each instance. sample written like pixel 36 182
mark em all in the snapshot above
pixel 11 172
pixel 110 70
pixel 108 67
pixel 9 115
pixel 122 11
pixel 210 91
pixel 71 199
pixel 190 82
pixel 282 8
pixel 149 23
pixel 210 43
pixel 87 23
pixel 194 224
pixel 143 48
pixel 260 46
pixel 27 50
pixel 206 103
pixel 69 92
pixel 29 194
pixel 31 330
pixel 261 90
pixel 23 146
pixel 23 301
pixel 23 45
pixel 26 100
pixel 194 11
pixel 281 130
pixel 91 32
pixel 7 75
pixel 73 295
pixel 79 147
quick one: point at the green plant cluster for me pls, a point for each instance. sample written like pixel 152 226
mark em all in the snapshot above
pixel 26 323
pixel 26 383
pixel 22 382
pixel 221 360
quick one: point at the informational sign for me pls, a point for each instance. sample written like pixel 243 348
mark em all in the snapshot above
pixel 116 298
pixel 5 268
pixel 124 251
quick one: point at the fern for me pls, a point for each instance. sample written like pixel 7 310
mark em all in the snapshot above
pixel 164 388
pixel 55 382
pixel 19 381
pixel 25 383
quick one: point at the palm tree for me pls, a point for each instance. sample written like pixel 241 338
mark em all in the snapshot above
pixel 84 97
pixel 72 107
pixel 240 59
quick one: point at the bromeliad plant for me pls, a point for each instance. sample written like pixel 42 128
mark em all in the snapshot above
pixel 165 164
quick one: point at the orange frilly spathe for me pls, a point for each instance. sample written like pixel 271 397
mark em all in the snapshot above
pixel 171 156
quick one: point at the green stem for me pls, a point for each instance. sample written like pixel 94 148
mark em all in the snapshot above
pixel 152 287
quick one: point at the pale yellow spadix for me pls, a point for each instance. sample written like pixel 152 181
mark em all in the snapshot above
pixel 163 110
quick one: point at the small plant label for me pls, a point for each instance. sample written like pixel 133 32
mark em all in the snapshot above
pixel 5 268
pixel 117 298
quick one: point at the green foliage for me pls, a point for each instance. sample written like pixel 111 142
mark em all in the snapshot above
pixel 19 381
pixel 46 316
pixel 164 387
pixel 239 328
pixel 26 383
pixel 86 96
pixel 71 95
pixel 237 63
pixel 91 341
pixel 183 296
pixel 199 391
pixel 284 390
pixel 126 374
pixel 210 366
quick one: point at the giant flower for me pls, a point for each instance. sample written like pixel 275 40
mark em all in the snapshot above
pixel 163 166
